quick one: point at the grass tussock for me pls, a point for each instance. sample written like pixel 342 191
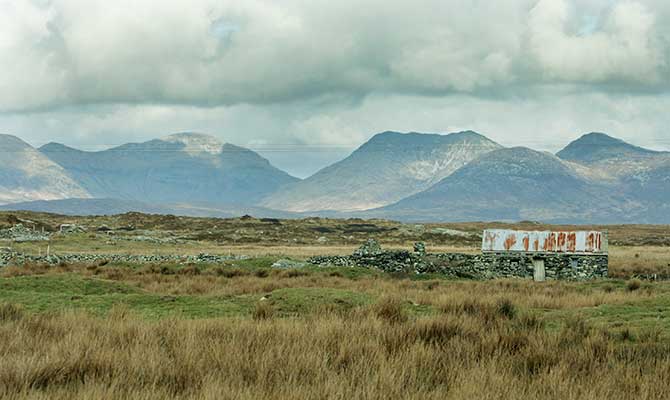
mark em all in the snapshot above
pixel 390 309
pixel 263 310
pixel 10 312
pixel 633 285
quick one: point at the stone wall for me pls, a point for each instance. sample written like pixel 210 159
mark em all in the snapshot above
pixel 18 258
pixel 479 266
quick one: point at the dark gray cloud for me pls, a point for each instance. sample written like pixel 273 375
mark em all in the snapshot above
pixel 290 73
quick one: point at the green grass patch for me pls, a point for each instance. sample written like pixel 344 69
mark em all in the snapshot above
pixel 58 292
pixel 638 315
pixel 299 301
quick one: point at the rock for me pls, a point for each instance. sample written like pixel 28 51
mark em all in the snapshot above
pixel 369 248
pixel 285 263
pixel 452 232
pixel 322 239
pixel 420 248
pixel 20 233
pixel 71 228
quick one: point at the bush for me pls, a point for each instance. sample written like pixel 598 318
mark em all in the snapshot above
pixel 633 285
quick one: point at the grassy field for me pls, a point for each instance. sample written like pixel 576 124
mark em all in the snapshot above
pixel 248 331
pixel 244 330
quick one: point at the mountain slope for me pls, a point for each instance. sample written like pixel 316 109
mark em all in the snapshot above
pixel 512 184
pixel 641 174
pixel 387 168
pixel 597 147
pixel 26 174
pixel 184 167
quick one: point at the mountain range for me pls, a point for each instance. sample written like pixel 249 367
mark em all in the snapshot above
pixel 405 176
pixel 185 167
pixel 388 168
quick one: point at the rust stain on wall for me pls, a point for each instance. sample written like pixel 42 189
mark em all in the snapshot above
pixel 510 241
pixel 572 242
pixel 544 241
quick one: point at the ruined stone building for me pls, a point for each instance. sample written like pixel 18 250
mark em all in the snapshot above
pixel 540 256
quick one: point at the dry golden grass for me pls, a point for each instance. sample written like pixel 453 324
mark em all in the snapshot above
pixel 434 339
pixel 467 351
pixel 628 261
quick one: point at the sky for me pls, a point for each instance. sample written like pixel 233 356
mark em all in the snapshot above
pixel 304 82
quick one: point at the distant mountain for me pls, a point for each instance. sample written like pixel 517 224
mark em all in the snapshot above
pixel 410 177
pixel 513 184
pixel 116 206
pixel 26 174
pixel 387 168
pixel 597 147
pixel 185 167
pixel 86 207
pixel 641 174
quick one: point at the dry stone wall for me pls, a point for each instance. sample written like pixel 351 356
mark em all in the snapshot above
pixel 18 258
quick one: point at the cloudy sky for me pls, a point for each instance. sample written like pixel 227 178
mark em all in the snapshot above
pixel 306 81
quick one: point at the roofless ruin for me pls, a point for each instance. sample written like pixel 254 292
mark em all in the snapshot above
pixel 538 255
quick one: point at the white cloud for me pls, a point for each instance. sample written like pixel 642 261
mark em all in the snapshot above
pixel 625 50
pixel 95 73
pixel 208 53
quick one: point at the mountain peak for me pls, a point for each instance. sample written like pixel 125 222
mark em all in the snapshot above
pixel 196 142
pixel 388 167
pixel 55 146
pixel 596 146
pixel 392 138
pixel 12 142
pixel 599 138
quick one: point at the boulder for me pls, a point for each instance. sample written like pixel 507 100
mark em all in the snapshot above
pixel 286 264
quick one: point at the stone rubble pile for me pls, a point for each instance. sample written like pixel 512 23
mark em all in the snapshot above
pixel 20 233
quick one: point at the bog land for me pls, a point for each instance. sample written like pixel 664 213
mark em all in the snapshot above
pixel 241 328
